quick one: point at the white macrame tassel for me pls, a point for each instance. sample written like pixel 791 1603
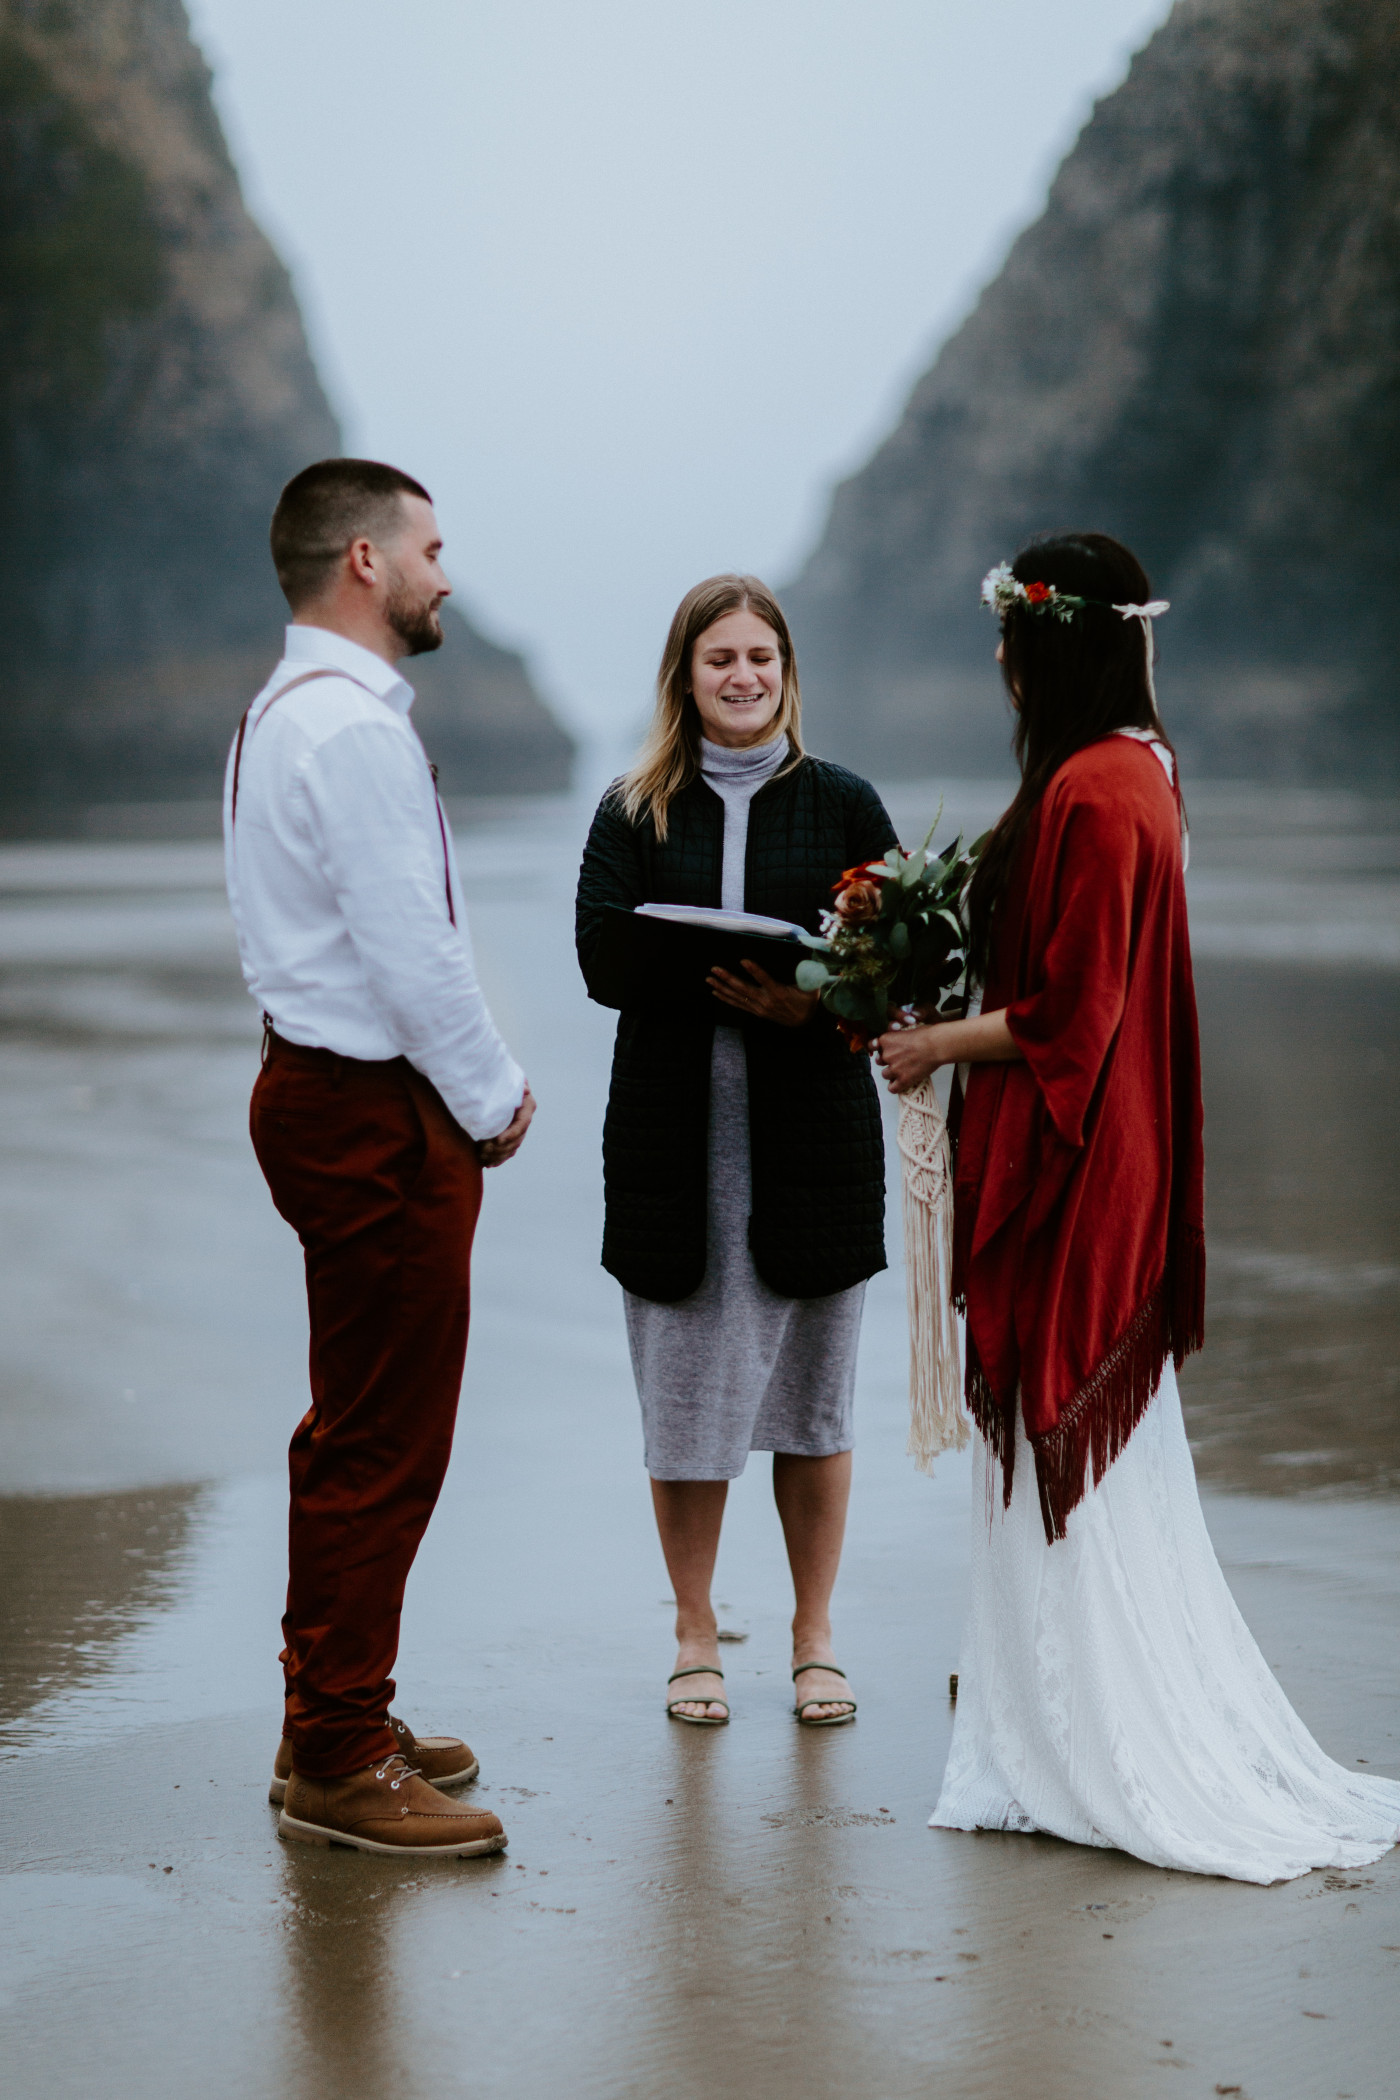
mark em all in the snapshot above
pixel 937 1418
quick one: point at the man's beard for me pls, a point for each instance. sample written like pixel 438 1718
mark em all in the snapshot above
pixel 414 620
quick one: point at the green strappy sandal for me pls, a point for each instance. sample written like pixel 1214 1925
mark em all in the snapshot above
pixel 823 1720
pixel 699 1720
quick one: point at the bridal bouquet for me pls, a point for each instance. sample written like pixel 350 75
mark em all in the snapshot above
pixel 895 944
pixel 895 941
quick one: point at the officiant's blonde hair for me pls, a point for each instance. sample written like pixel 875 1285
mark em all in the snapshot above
pixel 670 758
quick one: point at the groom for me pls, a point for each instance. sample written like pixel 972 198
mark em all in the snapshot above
pixel 384 1091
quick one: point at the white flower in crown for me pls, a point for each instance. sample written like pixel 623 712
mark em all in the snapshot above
pixel 1000 590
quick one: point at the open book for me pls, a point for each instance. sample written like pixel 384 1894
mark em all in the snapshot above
pixel 661 954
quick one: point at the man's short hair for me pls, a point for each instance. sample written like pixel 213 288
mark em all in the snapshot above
pixel 324 509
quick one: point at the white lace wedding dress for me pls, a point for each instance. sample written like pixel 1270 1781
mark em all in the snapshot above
pixel 1110 1693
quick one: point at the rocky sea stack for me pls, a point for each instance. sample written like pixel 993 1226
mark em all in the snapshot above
pixel 1197 348
pixel 155 392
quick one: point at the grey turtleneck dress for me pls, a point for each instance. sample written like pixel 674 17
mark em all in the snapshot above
pixel 735 1367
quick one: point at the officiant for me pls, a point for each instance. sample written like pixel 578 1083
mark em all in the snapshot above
pixel 742 1153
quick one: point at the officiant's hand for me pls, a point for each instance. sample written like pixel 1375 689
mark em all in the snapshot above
pixel 494 1152
pixel 765 998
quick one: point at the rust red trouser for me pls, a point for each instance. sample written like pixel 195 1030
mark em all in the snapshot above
pixel 383 1188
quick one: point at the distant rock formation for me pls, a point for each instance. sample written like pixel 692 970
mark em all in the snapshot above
pixel 481 721
pixel 155 392
pixel 1197 348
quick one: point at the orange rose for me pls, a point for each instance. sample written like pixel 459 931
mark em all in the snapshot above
pixel 858 901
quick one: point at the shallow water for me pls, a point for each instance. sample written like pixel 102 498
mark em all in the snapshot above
pixel 759 1910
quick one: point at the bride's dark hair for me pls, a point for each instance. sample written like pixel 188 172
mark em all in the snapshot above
pixel 1070 681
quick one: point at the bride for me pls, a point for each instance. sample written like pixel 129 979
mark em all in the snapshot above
pixel 1109 1691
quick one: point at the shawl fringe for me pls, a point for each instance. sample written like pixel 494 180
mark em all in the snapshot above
pixel 1188 1292
pixel 996 1423
pixel 1098 1420
pixel 1102 1415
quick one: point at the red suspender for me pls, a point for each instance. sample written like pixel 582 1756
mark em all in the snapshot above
pixel 290 687
pixel 442 832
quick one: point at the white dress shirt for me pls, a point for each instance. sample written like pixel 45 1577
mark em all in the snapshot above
pixel 336 878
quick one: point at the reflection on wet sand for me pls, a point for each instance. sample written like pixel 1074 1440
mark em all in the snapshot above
pixel 77 1572
pixel 693 1911
pixel 742 1927
pixel 818 1885
pixel 342 2016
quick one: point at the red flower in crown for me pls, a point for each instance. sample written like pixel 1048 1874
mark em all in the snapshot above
pixel 1037 594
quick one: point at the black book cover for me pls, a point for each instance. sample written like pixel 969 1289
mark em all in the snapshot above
pixel 644 961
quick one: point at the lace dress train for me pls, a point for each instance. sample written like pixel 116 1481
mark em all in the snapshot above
pixel 1110 1692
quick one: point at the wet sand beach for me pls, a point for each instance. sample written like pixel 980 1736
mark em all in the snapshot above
pixel 757 1911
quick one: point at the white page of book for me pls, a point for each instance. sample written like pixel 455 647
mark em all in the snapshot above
pixel 721 921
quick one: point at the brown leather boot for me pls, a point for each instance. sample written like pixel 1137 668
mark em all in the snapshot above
pixel 387 1808
pixel 444 1760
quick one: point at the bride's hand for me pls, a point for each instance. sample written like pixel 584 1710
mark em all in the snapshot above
pixel 907 1055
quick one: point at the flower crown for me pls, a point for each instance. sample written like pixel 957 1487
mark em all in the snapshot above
pixel 1003 592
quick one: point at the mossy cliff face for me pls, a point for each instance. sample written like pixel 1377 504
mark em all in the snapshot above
pixel 156 390
pixel 1197 348
pixel 79 250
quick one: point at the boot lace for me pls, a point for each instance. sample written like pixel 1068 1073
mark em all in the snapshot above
pixel 397 1764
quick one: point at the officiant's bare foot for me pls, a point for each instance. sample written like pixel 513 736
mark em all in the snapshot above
pixel 695 1690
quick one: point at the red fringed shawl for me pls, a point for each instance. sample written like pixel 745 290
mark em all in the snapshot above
pixel 1079 1229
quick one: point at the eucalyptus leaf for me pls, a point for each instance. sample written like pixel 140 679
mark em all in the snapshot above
pixel 812 976
pixel 899 940
pixel 847 1000
pixel 860 1004
pixel 816 941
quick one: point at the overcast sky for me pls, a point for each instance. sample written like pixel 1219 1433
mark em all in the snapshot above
pixel 630 284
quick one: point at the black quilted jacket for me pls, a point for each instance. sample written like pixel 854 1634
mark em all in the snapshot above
pixel 818 1216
